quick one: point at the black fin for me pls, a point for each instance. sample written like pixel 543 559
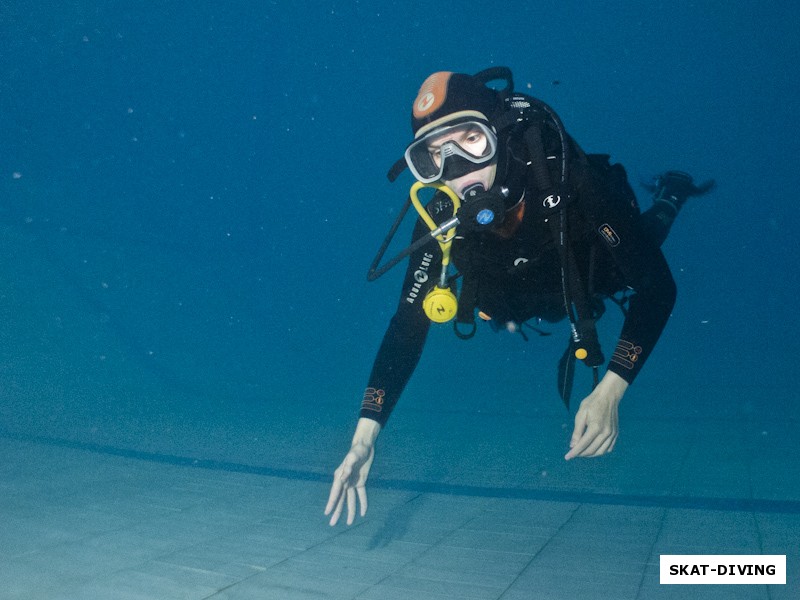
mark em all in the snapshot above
pixel 704 188
pixel 566 374
pixel 679 184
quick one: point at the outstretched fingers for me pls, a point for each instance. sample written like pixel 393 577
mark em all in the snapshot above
pixel 579 441
pixel 595 441
pixel 338 492
pixel 351 506
pixel 339 508
pixel 362 498
pixel 333 497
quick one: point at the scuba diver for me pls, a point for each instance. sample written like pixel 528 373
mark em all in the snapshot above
pixel 537 230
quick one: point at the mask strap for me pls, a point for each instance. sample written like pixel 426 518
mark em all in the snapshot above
pixel 494 74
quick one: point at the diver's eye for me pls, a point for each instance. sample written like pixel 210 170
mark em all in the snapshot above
pixel 474 137
pixel 436 156
pixel 475 143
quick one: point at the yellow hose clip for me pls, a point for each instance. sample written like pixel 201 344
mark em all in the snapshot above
pixel 444 241
pixel 440 304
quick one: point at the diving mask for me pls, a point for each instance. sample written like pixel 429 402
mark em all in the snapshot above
pixel 451 151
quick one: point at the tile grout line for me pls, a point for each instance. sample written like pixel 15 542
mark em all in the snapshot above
pixel 282 561
pixel 426 551
pixel 650 553
pixel 540 550
pixel 405 564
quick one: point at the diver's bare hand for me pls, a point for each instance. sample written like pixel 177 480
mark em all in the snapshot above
pixel 350 479
pixel 597 419
pixel 349 482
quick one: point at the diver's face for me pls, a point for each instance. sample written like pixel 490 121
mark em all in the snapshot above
pixel 472 140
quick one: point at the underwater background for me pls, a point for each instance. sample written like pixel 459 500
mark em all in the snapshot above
pixel 192 194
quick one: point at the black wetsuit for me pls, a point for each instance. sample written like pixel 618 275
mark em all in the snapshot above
pixel 519 278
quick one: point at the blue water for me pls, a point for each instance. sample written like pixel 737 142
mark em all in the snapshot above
pixel 192 194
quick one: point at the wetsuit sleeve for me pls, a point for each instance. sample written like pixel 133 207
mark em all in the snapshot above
pixel 404 339
pixel 644 270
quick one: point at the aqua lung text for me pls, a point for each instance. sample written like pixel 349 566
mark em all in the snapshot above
pixel 420 277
